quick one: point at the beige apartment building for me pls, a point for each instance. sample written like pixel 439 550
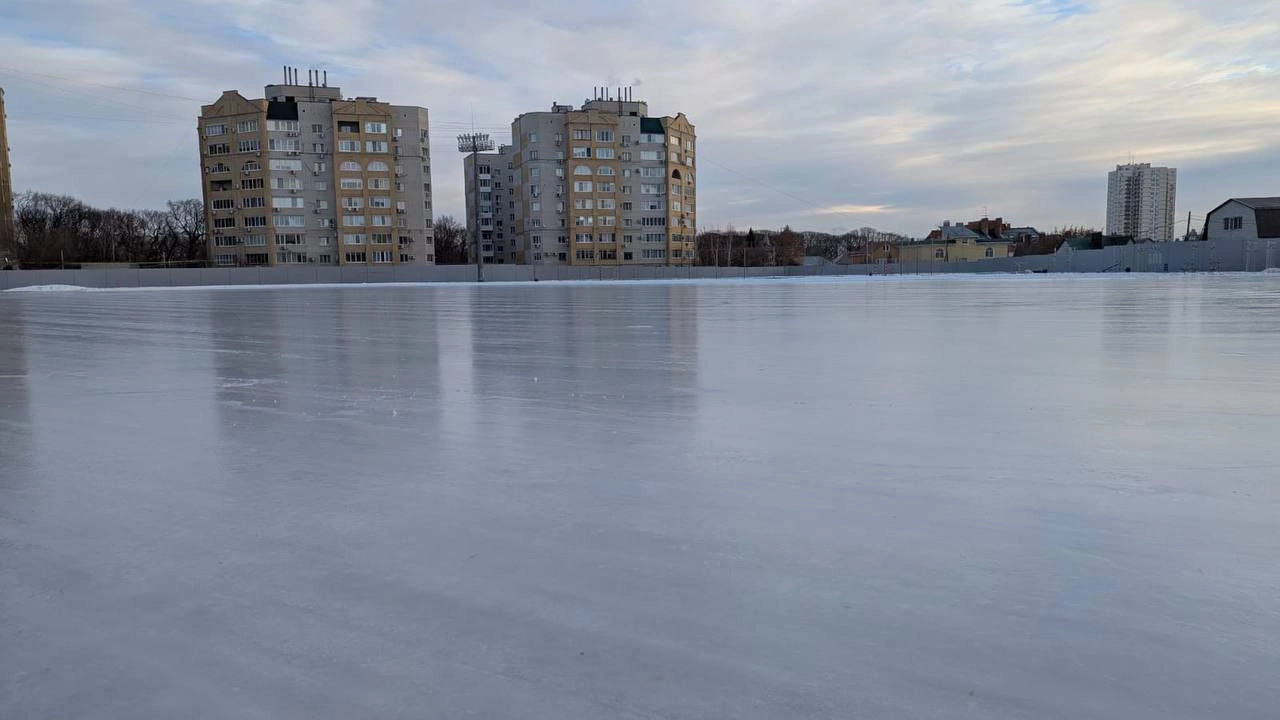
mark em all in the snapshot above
pixel 8 235
pixel 604 184
pixel 306 176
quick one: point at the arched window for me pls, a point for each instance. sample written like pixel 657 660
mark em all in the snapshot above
pixel 582 170
pixel 350 166
pixel 606 170
pixel 378 166
pixel 675 174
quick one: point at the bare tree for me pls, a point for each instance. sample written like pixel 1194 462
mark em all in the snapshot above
pixel 452 246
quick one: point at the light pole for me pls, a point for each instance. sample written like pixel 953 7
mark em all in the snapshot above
pixel 475 143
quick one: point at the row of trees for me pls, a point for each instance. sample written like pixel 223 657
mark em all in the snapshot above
pixel 54 230
pixel 753 248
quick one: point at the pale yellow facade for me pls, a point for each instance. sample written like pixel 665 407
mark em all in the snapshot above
pixel 8 237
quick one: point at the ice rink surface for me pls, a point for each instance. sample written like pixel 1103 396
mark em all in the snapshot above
pixel 996 497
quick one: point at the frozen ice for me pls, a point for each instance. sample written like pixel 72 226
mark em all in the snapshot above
pixel 978 497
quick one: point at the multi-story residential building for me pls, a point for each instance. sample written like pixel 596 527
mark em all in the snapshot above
pixel 303 175
pixel 493 177
pixel 8 236
pixel 1140 201
pixel 604 184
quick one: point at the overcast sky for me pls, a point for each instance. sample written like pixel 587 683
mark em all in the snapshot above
pixel 825 114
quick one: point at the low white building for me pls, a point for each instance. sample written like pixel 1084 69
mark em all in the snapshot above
pixel 1244 219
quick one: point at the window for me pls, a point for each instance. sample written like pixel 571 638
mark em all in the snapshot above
pixel 320 185
pixel 286 165
pixel 583 204
pixel 326 259
pixel 352 203
pixel 586 254
pixel 559 172
pixel 377 128
pixel 355 257
pixel 584 221
pixel 291 201
pixel 533 137
pixel 653 222
pixel 351 183
pixel 677 190
pixel 317 147
pixel 535 206
pixel 317 128
pixel 290 221
pixel 379 184
pixel 251 166
pixel 605 153
pixel 251 184
pixel 655 237
pixel 650 189
pixel 675 157
pixel 223 223
pixel 258 221
pixel 379 202
pixel 225 259
pixel 1233 223
pixel 284 145
pixel 288 238
pixel 675 206
pixel 348 126
pixel 582 186
pixel 650 155
pixel 353 220
pixel 536 240
pixel 225 204
pixel 581 134
pixel 348 146
pixel 626 156
pixel 653 254
pixel 581 170
pixel 939 253
pixel 607 237
pixel 606 170
pixel 349 166
pixel 676 253
pixel 353 239
pixel 604 136
pixel 219 149
pixel 605 187
pixel 607 203
pixel 581 152
pixel 652 172
pixel 383 256
pixel 375 146
pixel 651 205
pixel 535 172
pixel 608 220
pixel 651 138
pixel 215 130
pixel 286 183
pixel 382 220
pixel 380 238
pixel 253 202
pixel 379 166
pixel 247 126
pixel 282 125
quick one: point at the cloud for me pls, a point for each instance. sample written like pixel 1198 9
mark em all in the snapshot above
pixel 896 115
pixel 854 210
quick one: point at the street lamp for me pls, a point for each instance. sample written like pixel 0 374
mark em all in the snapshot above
pixel 475 143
